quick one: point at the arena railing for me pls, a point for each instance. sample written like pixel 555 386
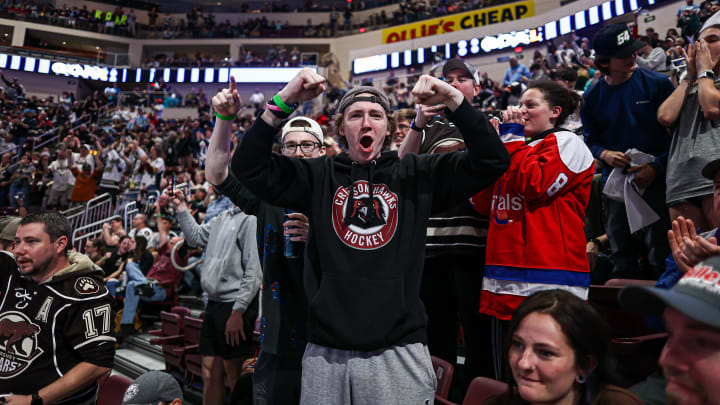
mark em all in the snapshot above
pixel 76 216
pixel 98 208
pixel 81 235
pixel 128 213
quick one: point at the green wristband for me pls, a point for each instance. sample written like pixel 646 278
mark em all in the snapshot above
pixel 225 117
pixel 282 105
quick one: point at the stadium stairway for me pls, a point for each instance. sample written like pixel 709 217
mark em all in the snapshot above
pixel 137 356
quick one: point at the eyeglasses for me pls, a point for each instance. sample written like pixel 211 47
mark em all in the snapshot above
pixel 306 147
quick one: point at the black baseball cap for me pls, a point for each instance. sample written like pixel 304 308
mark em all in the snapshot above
pixel 710 169
pixel 458 64
pixel 696 295
pixel 615 41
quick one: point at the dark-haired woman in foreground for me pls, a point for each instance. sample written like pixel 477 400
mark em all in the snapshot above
pixel 536 240
pixel 558 352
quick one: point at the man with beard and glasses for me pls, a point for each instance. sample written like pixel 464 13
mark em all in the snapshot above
pixel 56 335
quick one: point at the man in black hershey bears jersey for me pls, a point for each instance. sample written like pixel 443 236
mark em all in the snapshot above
pixel 56 318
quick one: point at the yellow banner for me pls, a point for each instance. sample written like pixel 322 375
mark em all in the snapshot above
pixel 458 22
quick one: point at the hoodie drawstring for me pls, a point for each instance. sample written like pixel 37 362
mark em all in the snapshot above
pixel 349 208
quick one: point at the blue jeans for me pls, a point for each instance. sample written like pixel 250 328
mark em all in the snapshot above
pixel 654 237
pixel 136 278
pixel 15 189
pixel 112 286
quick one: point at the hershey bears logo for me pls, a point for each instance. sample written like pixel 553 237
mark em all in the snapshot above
pixel 372 222
pixel 18 343
pixel 86 285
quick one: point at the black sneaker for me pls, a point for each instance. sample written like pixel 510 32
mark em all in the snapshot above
pixel 145 289
pixel 125 332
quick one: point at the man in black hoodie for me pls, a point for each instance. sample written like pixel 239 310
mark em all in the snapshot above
pixel 364 254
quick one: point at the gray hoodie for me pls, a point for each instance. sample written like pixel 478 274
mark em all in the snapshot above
pixel 231 269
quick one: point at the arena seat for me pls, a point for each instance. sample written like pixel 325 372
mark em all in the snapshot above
pixel 480 389
pixel 638 356
pixel 171 336
pixel 623 323
pixel 152 309
pixel 444 374
pixel 112 389
pixel 636 346
pixel 192 359
pixel 624 282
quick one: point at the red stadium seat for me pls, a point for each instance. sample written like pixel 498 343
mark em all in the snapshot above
pixel 444 373
pixel 623 282
pixel 169 336
pixel 636 346
pixel 623 323
pixel 112 389
pixel 192 359
pixel 480 389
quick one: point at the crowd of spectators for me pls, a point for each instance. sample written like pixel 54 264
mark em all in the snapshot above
pixel 273 56
pixel 132 153
pixel 199 24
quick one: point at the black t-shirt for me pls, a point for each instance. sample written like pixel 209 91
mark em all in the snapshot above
pixel 146 262
pixel 113 263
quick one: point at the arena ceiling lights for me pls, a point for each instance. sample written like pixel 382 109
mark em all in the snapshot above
pixel 169 75
pixel 491 43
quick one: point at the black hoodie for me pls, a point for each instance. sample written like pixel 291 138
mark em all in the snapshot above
pixel 365 252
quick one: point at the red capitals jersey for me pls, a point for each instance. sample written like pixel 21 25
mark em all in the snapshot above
pixel 47 329
pixel 536 240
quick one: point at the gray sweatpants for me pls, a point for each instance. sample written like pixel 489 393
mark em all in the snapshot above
pixel 401 375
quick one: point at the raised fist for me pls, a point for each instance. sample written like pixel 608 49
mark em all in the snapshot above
pixel 431 91
pixel 306 85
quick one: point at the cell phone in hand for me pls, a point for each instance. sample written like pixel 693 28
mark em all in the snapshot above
pixel 174 178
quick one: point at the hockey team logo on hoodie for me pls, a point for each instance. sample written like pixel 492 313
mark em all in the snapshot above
pixel 368 220
pixel 18 343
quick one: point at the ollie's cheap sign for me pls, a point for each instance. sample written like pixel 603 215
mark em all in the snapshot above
pixel 458 22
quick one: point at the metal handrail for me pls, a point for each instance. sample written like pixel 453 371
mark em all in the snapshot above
pixel 128 213
pixel 80 234
pixel 76 216
pixel 98 204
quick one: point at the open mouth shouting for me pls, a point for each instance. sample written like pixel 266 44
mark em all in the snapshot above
pixel 366 143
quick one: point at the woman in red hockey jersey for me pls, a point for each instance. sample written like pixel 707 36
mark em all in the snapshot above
pixel 536 240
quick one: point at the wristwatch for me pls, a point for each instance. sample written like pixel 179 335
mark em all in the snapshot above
pixel 415 127
pixel 707 73
pixel 36 400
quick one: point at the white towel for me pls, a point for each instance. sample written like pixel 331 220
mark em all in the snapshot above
pixel 620 187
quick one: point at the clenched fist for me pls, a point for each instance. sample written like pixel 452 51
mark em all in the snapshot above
pixel 306 85
pixel 431 91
